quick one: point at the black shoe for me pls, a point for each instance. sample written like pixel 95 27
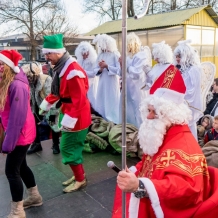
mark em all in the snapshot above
pixel 35 147
pixel 56 149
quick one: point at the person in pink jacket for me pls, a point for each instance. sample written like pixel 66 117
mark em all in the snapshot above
pixel 18 123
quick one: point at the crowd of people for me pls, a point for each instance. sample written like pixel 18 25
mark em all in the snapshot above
pixel 164 102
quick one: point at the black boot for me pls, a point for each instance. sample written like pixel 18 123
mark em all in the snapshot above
pixel 56 149
pixel 34 148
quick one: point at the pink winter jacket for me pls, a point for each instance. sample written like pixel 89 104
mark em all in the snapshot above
pixel 17 118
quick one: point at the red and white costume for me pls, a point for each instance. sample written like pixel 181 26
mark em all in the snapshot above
pixel 175 175
pixel 73 85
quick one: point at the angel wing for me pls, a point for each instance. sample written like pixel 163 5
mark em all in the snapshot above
pixel 147 50
pixel 207 77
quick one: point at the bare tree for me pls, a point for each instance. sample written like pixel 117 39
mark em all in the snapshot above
pixel 130 8
pixel 105 9
pixel 34 18
pixel 158 6
pixel 111 9
pixel 57 22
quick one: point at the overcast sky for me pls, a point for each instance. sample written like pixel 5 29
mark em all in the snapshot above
pixel 85 22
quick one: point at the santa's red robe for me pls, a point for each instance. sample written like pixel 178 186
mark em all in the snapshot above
pixel 176 179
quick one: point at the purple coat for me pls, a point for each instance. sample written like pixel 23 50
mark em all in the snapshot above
pixel 17 118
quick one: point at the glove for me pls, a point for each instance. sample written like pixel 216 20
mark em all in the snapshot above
pixel 41 112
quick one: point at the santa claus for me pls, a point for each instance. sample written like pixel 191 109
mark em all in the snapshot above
pixel 172 180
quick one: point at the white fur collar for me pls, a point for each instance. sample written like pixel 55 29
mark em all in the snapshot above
pixel 68 62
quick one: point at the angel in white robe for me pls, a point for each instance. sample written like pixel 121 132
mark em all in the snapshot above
pixel 107 67
pixel 86 57
pixel 187 59
pixel 163 55
pixel 138 58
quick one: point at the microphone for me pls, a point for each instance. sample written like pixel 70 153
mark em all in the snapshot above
pixel 111 165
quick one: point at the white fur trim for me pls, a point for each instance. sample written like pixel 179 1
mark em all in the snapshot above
pixel 45 105
pixel 133 206
pixel 73 73
pixel 153 196
pixel 16 69
pixel 171 95
pixel 133 169
pixel 68 62
pixel 68 121
pixel 7 61
pixel 58 50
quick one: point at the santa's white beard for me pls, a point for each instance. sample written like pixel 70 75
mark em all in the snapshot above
pixel 151 135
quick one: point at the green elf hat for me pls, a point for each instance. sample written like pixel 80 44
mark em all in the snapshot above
pixel 53 44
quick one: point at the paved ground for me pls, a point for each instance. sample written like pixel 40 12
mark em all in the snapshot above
pixel 94 201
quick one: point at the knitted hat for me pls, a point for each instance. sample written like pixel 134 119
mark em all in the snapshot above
pixel 11 58
pixel 170 85
pixel 53 44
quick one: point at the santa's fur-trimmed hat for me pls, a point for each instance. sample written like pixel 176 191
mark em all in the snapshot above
pixel 11 58
pixel 170 86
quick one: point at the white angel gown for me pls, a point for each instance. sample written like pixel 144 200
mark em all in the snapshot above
pixel 93 80
pixel 108 92
pixel 135 80
pixel 192 79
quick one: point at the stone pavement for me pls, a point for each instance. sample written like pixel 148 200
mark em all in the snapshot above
pixel 94 201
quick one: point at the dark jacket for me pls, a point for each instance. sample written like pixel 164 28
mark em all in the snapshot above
pixel 211 104
pixel 211 135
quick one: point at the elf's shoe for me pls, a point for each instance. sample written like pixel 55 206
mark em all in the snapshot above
pixel 75 186
pixel 69 181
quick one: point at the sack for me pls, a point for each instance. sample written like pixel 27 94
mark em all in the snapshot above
pixel 132 143
pixel 2 136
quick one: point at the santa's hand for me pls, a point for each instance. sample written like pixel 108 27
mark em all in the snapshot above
pixel 127 181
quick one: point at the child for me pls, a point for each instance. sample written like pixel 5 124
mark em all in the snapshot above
pixel 206 124
pixel 212 134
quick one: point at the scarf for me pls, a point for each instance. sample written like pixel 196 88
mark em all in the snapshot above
pixel 55 86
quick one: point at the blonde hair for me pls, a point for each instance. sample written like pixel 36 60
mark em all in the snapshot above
pixel 7 78
pixel 133 43
pixel 216 117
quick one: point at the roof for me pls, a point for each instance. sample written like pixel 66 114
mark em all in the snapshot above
pixel 166 19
